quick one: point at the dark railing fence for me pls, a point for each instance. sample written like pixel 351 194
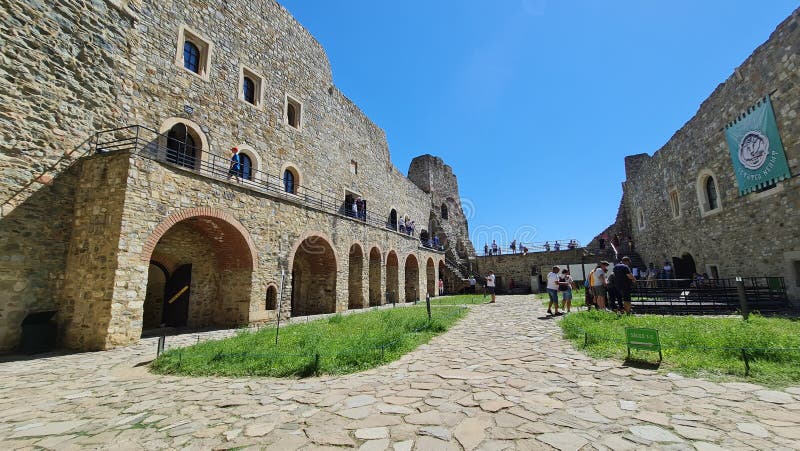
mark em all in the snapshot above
pixel 149 144
pixel 538 246
pixel 675 296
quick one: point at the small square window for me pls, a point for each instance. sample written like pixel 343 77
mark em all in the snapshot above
pixel 294 112
pixel 193 52
pixel 674 204
pixel 353 167
pixel 250 87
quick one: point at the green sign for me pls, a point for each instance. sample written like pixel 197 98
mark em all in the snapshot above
pixel 756 148
pixel 644 339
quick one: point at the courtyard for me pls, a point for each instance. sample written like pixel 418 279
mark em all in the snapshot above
pixel 502 378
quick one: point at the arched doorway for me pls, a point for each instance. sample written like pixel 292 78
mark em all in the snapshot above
pixel 430 276
pixel 412 278
pixel 355 296
pixel 393 219
pixel 183 146
pixel 392 278
pixel 200 274
pixel 313 278
pixel 684 267
pixel 374 277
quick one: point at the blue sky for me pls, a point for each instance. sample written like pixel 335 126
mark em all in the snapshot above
pixel 534 103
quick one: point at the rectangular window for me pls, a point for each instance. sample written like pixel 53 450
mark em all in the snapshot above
pixel 294 112
pixel 674 204
pixel 713 271
pixel 250 87
pixel 353 167
pixel 193 52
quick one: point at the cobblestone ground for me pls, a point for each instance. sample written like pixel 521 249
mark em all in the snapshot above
pixel 501 379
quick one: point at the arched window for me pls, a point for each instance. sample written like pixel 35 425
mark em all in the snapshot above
pixel 245 167
pixel 444 211
pixel 191 57
pixel 288 181
pixel 249 90
pixel 711 194
pixel 272 298
pixel 393 219
pixel 181 147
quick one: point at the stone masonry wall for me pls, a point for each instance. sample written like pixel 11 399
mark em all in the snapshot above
pixel 753 235
pixel 61 78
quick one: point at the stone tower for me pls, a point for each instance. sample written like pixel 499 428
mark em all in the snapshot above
pixel 447 219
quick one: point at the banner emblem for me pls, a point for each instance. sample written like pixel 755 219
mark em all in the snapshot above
pixel 753 150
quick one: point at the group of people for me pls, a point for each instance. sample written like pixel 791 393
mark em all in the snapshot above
pixel 407 226
pixel 433 243
pixel 494 249
pixel 611 289
pixel 358 209
pixel 572 244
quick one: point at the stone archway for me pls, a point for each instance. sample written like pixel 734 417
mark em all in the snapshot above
pixel 374 277
pixel 313 277
pixel 392 277
pixel 355 293
pixel 430 277
pixel 200 274
pixel 411 278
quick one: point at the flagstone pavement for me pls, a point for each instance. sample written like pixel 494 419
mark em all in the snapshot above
pixel 500 379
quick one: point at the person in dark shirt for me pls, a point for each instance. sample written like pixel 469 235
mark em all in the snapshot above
pixel 624 282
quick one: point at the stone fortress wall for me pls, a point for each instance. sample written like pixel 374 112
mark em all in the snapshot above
pixel 92 236
pixel 756 234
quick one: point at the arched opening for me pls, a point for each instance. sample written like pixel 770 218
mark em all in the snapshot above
pixel 355 297
pixel 313 278
pixel 272 298
pixel 711 193
pixel 684 267
pixel 245 167
pixel 374 277
pixel 444 211
pixel 412 278
pixel 430 276
pixel 392 277
pixel 393 219
pixel 200 275
pixel 183 146
pixel 442 273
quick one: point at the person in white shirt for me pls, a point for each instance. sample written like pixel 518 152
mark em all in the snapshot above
pixel 490 285
pixel 599 285
pixel 552 290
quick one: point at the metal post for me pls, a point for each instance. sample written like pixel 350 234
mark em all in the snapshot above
pixel 746 363
pixel 280 304
pixel 742 298
pixel 161 340
pixel 428 306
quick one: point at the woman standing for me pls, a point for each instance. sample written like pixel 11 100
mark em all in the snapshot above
pixel 565 286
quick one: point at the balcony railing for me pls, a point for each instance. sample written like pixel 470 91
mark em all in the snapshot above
pixel 148 143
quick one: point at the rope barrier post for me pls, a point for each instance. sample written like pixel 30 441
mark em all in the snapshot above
pixel 586 342
pixel 428 306
pixel 316 363
pixel 742 298
pixel 161 341
pixel 746 363
pixel 180 358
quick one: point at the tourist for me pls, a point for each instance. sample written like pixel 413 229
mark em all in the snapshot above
pixel 552 290
pixel 402 225
pixel 624 283
pixel 355 208
pixel 441 287
pixel 635 271
pixel 652 275
pixel 436 241
pixel 486 249
pixel 667 273
pixel 599 285
pixel 557 246
pixel 490 285
pixel 565 285
pixel 524 250
pixel 236 165
pixel 589 296
pixel 472 284
pixel 411 228
pixel 495 250
pixel 547 246
pixel 613 300
pixel 513 246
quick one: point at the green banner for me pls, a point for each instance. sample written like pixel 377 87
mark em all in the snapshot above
pixel 756 149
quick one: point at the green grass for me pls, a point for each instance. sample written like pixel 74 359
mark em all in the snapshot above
pixel 699 346
pixel 339 344
pixel 459 299
pixel 578 298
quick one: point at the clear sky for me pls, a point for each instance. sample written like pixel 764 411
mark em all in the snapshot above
pixel 534 103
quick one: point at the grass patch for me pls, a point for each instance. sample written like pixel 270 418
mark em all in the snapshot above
pixel 459 299
pixel 578 297
pixel 339 344
pixel 699 346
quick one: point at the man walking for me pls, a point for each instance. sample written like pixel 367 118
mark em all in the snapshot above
pixel 624 281
pixel 490 285
pixel 552 290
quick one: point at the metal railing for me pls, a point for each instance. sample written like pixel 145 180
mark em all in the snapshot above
pixel 538 246
pixel 148 143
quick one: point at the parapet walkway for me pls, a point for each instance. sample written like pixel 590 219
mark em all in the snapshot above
pixel 501 379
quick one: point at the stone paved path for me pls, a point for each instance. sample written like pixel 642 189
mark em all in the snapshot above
pixel 500 379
